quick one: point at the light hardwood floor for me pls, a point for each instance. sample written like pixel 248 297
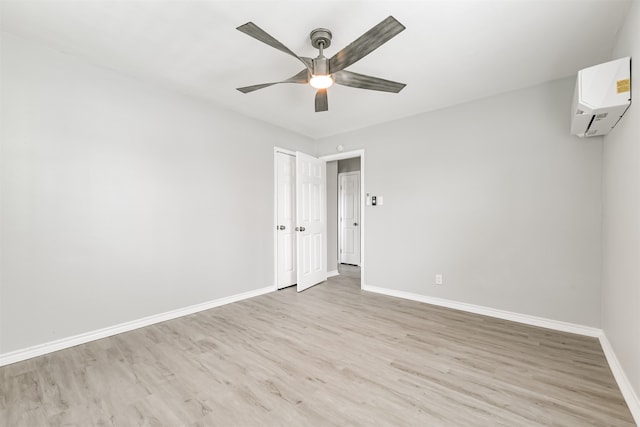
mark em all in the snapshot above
pixel 349 270
pixel 333 355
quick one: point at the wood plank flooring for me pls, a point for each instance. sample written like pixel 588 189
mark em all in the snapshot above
pixel 331 356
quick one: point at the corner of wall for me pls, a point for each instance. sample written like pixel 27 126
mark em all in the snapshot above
pixel 620 296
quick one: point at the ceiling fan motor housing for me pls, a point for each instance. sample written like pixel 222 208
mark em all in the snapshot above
pixel 320 66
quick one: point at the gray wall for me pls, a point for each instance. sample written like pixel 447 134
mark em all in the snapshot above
pixel 122 200
pixel 332 216
pixel 621 225
pixel 349 165
pixel 493 194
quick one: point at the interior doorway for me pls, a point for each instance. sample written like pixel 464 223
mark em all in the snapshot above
pixel 345 241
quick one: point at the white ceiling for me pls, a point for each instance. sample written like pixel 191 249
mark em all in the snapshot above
pixel 451 52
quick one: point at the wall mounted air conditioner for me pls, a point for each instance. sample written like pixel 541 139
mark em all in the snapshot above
pixel 603 94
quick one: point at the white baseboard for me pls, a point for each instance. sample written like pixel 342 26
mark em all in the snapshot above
pixel 332 273
pixel 40 349
pixel 627 390
pixel 630 396
pixel 487 311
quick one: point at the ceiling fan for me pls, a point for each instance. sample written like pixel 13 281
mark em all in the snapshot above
pixel 321 72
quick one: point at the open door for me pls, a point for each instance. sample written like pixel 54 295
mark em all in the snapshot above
pixel 285 220
pixel 311 212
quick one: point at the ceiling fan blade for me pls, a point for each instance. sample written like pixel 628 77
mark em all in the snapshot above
pixel 322 103
pixel 365 44
pixel 361 81
pixel 248 89
pixel 258 33
pixel 301 77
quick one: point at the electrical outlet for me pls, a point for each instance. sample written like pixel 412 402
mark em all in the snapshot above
pixel 438 279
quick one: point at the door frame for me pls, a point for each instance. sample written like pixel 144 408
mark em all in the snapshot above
pixel 351 155
pixel 340 213
pixel 275 211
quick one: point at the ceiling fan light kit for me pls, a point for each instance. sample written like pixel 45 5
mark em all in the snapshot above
pixel 321 81
pixel 320 72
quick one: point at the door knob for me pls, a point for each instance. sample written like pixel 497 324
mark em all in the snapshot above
pixel 355 224
pixel 282 227
pixel 300 228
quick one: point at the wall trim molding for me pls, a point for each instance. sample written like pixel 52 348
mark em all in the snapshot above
pixel 492 312
pixel 50 347
pixel 332 273
pixel 630 396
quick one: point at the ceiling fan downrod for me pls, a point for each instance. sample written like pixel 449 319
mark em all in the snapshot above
pixel 320 39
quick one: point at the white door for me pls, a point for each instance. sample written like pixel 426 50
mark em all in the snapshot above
pixel 286 220
pixel 311 210
pixel 349 215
